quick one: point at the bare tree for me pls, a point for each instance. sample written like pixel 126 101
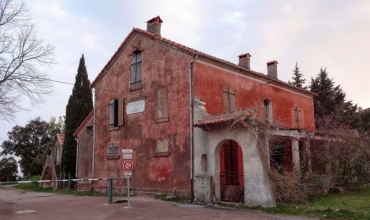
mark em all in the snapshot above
pixel 20 54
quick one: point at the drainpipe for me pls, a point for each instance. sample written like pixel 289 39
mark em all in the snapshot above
pixel 76 158
pixel 191 64
pixel 94 128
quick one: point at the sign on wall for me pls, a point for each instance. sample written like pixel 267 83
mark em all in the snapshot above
pixel 135 107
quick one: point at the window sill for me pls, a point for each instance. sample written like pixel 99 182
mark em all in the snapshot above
pixel 113 128
pixel 159 120
pixel 112 157
pixel 132 88
pixel 161 154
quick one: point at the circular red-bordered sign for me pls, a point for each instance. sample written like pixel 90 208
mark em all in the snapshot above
pixel 128 165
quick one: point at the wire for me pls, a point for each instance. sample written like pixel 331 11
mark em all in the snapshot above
pixel 52 80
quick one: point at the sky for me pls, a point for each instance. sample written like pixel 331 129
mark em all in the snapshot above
pixel 331 34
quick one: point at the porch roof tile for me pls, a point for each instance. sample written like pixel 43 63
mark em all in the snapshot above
pixel 224 117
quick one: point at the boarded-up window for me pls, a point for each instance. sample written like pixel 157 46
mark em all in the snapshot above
pixel 297 117
pixel 161 104
pixel 204 163
pixel 229 100
pixel 161 148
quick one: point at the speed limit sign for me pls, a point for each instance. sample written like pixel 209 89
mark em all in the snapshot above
pixel 128 165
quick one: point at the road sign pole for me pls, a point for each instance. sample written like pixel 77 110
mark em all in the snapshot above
pixel 128 191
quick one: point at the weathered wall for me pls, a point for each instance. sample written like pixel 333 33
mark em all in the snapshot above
pixel 85 154
pixel 210 80
pixel 161 66
pixel 257 188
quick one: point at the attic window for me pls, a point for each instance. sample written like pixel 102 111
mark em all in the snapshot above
pixel 136 68
pixel 89 129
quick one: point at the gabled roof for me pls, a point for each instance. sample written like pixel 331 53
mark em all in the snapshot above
pixel 83 124
pixel 60 138
pixel 191 52
pixel 225 117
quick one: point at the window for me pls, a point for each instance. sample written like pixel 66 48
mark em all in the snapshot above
pixel 115 113
pixel 113 151
pixel 268 110
pixel 135 79
pixel 161 107
pixel 229 100
pixel 89 129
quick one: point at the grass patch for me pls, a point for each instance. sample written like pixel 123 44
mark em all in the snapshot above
pixel 34 187
pixel 351 205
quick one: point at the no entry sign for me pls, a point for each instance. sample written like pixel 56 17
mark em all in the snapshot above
pixel 127 165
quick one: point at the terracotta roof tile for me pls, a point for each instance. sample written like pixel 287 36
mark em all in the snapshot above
pixel 186 50
pixel 225 117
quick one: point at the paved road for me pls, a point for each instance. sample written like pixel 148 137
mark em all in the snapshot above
pixel 18 204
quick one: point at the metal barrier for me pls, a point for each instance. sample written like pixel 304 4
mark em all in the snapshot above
pixel 51 181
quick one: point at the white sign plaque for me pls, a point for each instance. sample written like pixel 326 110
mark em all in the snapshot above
pixel 127 151
pixel 135 107
pixel 127 156
pixel 128 173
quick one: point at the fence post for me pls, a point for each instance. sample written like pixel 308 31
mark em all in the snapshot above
pixel 110 189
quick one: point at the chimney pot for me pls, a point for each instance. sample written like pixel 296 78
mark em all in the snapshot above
pixel 154 25
pixel 272 69
pixel 244 60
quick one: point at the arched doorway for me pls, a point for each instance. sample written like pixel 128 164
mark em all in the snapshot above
pixel 231 172
pixel 47 176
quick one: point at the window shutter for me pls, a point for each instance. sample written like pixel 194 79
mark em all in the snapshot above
pixel 121 113
pixel 138 73
pixel 110 150
pixel 111 113
pixel 115 152
pixel 232 100
pixel 226 100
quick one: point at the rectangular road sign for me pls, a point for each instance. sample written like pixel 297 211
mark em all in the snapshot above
pixel 127 151
pixel 127 156
pixel 128 173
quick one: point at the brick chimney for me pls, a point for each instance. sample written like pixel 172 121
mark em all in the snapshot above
pixel 154 25
pixel 244 60
pixel 272 69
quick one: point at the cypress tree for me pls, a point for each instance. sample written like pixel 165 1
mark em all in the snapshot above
pixel 79 105
pixel 298 79
pixel 331 102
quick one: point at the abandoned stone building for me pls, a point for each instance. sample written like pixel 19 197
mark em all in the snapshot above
pixel 198 125
pixel 84 151
pixel 51 169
